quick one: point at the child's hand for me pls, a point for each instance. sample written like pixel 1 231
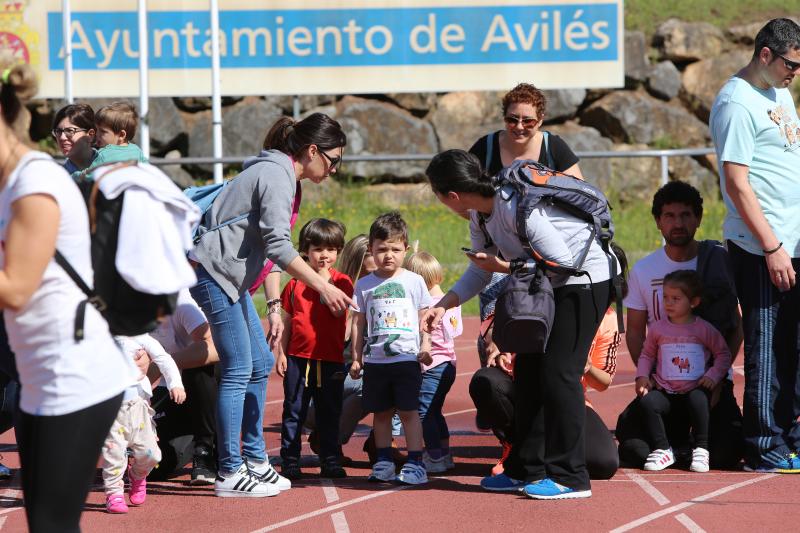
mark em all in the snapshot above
pixel 706 382
pixel 178 395
pixel 280 364
pixel 355 370
pixel 425 357
pixel 642 386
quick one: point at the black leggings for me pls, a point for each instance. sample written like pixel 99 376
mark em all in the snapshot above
pixel 656 404
pixel 59 458
pixel 492 391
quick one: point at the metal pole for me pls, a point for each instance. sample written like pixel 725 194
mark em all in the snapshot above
pixel 216 99
pixel 66 21
pixel 296 108
pixel 144 82
pixel 664 169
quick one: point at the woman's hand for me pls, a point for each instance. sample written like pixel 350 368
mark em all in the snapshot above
pixel 502 360
pixel 489 262
pixel 642 386
pixel 431 318
pixel 336 300
pixel 706 382
pixel 275 330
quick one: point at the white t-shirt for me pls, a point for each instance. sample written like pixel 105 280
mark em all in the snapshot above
pixel 646 282
pixel 392 306
pixel 175 333
pixel 57 374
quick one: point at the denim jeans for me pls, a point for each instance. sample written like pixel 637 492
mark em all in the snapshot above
pixel 245 361
pixel 436 383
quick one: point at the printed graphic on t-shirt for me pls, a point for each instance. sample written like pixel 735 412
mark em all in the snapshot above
pixel 388 316
pixel 452 326
pixel 657 285
pixel 682 361
pixel 787 127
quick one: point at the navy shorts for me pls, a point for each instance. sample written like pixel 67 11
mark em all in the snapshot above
pixel 391 386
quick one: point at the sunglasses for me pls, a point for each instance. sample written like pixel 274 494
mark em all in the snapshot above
pixel 333 162
pixel 69 132
pixel 788 63
pixel 527 122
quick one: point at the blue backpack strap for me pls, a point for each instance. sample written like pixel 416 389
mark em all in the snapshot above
pixel 489 151
pixel 546 146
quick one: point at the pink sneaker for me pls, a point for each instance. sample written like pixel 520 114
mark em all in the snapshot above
pixel 115 504
pixel 138 490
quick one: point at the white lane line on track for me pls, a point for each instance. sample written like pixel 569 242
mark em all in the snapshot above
pixel 680 506
pixel 689 524
pixel 3 522
pixel 11 510
pixel 326 510
pixel 340 524
pixel 454 413
pixel 646 486
pixel 329 490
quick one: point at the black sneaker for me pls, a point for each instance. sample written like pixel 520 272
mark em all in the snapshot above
pixel 291 470
pixel 204 470
pixel 332 471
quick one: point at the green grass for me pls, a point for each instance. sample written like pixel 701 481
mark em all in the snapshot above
pixel 443 234
pixel 646 15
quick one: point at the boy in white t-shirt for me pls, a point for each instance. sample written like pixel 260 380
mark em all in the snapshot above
pixel 388 343
pixel 134 427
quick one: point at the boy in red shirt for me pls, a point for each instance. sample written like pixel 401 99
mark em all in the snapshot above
pixel 311 362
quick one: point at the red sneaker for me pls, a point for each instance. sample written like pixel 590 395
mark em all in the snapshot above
pixel 498 468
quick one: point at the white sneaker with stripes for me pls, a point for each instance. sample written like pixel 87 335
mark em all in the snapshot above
pixel 700 457
pixel 267 474
pixel 243 484
pixel 659 460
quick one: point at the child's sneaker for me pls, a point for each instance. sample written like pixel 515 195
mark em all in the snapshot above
pixel 413 474
pixel 5 472
pixel 266 474
pixel 451 464
pixel 138 491
pixel 383 471
pixel 502 483
pixel 435 466
pixel 547 489
pixel 243 484
pixel 499 468
pixel 659 460
pixel 115 504
pixel 204 467
pixel 699 460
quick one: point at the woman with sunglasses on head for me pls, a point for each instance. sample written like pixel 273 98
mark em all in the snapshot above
pixel 228 258
pixel 74 131
pixel 523 112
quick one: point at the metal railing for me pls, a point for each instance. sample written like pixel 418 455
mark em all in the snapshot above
pixel 663 156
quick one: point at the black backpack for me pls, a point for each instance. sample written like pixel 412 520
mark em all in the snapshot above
pixel 128 311
pixel 719 304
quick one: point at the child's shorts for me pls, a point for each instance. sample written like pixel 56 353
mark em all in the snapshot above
pixel 391 385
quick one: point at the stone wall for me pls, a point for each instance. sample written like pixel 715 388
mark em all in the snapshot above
pixel 670 83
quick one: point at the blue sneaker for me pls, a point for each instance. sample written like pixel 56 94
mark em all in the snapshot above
pixel 502 483
pixel 5 472
pixel 547 489
pixel 788 464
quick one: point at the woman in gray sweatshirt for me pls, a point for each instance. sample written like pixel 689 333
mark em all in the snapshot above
pixel 229 259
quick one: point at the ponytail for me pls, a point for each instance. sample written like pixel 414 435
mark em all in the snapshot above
pixel 460 172
pixel 292 137
pixel 17 85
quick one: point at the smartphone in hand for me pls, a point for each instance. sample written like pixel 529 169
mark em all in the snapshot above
pixel 469 251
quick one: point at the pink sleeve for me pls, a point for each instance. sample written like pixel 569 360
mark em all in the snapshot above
pixel 647 359
pixel 721 353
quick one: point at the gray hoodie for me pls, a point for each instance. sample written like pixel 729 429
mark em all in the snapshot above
pixel 234 255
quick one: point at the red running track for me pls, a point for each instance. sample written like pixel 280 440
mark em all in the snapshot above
pixel 673 500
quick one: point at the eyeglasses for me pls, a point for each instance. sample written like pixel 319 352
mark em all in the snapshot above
pixel 69 132
pixel 788 63
pixel 527 122
pixel 333 162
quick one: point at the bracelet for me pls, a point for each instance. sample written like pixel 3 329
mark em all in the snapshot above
pixel 273 301
pixel 274 306
pixel 768 252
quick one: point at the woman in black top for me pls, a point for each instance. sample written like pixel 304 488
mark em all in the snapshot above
pixel 523 113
